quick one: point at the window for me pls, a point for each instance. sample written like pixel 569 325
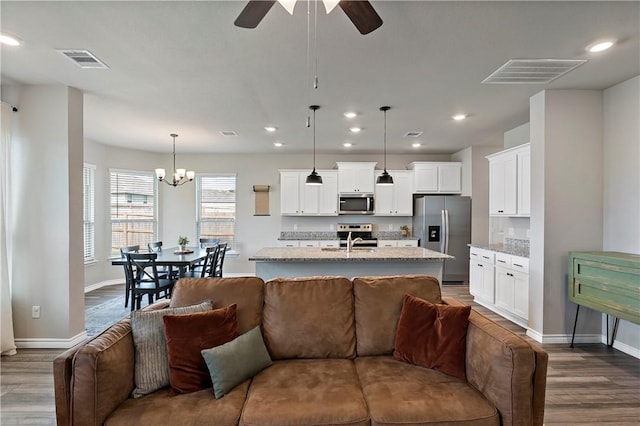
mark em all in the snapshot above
pixel 133 209
pixel 217 207
pixel 88 215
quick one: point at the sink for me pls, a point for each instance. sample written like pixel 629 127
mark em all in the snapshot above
pixel 344 249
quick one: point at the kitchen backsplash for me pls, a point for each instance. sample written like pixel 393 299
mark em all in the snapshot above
pixel 517 242
pixel 332 235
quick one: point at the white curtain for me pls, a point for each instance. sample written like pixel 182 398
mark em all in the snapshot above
pixel 7 344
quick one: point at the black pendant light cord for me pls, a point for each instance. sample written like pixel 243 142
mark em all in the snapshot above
pixel 385 109
pixel 314 108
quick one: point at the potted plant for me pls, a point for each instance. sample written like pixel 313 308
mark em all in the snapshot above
pixel 182 242
pixel 405 230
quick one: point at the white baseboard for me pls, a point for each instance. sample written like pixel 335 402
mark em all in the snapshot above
pixel 51 343
pixel 101 284
pixel 563 338
pixel 627 349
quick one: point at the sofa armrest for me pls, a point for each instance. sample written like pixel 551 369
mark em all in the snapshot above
pixel 62 371
pixel 507 369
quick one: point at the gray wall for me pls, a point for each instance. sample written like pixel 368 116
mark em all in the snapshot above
pixel 566 203
pixel 622 185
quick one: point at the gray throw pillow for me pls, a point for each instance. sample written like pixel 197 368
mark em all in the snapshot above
pixel 151 368
pixel 236 361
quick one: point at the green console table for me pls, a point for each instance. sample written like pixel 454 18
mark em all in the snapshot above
pixel 608 282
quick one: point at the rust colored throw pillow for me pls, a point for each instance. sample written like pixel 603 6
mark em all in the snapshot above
pixel 432 336
pixel 186 336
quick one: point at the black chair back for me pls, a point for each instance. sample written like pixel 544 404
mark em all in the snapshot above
pixel 127 282
pixel 155 247
pixel 144 278
pixel 220 261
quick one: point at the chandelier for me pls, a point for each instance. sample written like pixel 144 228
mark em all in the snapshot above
pixel 180 176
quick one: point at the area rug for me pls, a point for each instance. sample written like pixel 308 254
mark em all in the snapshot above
pixel 100 317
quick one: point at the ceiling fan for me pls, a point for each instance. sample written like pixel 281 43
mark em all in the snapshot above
pixel 361 13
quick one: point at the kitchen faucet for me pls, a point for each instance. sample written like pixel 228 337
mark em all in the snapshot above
pixel 351 242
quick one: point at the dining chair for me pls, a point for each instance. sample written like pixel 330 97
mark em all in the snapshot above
pixel 143 273
pixel 127 282
pixel 217 272
pixel 167 271
pixel 205 242
pixel 207 267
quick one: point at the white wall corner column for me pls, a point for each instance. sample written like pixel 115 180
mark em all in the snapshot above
pixel 566 130
pixel 47 261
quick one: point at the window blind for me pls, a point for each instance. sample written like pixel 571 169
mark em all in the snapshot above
pixel 88 216
pixel 133 209
pixel 216 198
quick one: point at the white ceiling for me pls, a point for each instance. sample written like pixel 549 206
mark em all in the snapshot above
pixel 183 67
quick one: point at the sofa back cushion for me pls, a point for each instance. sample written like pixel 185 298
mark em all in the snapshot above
pixel 378 303
pixel 310 317
pixel 245 292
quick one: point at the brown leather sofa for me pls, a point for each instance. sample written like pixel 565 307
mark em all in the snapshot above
pixel 331 341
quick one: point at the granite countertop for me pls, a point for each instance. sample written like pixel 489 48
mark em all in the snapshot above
pixel 332 235
pixel 512 249
pixel 311 254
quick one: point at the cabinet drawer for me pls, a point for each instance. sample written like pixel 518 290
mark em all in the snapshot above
pixel 482 255
pixel 407 243
pixel 520 264
pixel 503 260
pixel 329 243
pixel 304 243
pixel 387 243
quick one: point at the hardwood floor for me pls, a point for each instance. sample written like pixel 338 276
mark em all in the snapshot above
pixel 588 385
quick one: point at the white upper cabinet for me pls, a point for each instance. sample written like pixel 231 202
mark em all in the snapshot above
pixel 356 177
pixel 396 199
pixel 437 177
pixel 510 182
pixel 299 199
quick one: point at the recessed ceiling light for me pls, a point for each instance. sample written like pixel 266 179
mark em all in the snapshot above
pixel 416 145
pixel 459 117
pixel 278 144
pixel 355 129
pixel 9 40
pixel 600 46
pixel 347 144
pixel 270 129
pixel 350 114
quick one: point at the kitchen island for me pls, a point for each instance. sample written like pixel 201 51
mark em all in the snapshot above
pixel 273 262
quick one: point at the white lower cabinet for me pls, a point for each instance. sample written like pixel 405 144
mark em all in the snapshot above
pixel 407 243
pixel 510 275
pixel 309 243
pixel 288 243
pixel 481 279
pixel 330 243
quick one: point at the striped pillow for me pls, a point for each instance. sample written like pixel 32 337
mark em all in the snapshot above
pixel 151 362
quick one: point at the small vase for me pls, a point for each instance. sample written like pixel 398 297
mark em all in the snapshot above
pixel 183 248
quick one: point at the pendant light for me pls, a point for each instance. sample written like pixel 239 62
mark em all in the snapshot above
pixel 314 178
pixel 180 176
pixel 385 178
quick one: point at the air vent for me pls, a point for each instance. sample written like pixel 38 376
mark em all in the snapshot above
pixel 412 134
pixel 228 133
pixel 83 58
pixel 532 71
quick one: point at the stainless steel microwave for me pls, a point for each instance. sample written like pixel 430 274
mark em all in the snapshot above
pixel 356 204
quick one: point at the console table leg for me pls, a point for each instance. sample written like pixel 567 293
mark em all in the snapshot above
pixel 575 322
pixel 613 332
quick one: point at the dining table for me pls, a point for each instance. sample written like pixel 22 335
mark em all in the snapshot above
pixel 173 257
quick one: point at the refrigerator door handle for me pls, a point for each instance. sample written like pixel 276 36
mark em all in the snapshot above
pixel 445 214
pixel 443 231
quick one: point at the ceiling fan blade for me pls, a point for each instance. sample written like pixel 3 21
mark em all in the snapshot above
pixel 253 13
pixel 362 14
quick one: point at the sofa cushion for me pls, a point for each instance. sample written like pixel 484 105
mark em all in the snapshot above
pixel 309 317
pixel 306 392
pixel 432 336
pixel 398 393
pixel 187 335
pixel 163 408
pixel 152 364
pixel 245 292
pixel 378 302
pixel 236 361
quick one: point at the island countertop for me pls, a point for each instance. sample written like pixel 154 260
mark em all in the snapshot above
pixel 358 254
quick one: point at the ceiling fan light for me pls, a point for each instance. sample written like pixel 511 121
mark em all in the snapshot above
pixel 329 5
pixel 314 178
pixel 384 179
pixel 288 4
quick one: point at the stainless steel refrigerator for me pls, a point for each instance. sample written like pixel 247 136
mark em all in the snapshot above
pixel 443 223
